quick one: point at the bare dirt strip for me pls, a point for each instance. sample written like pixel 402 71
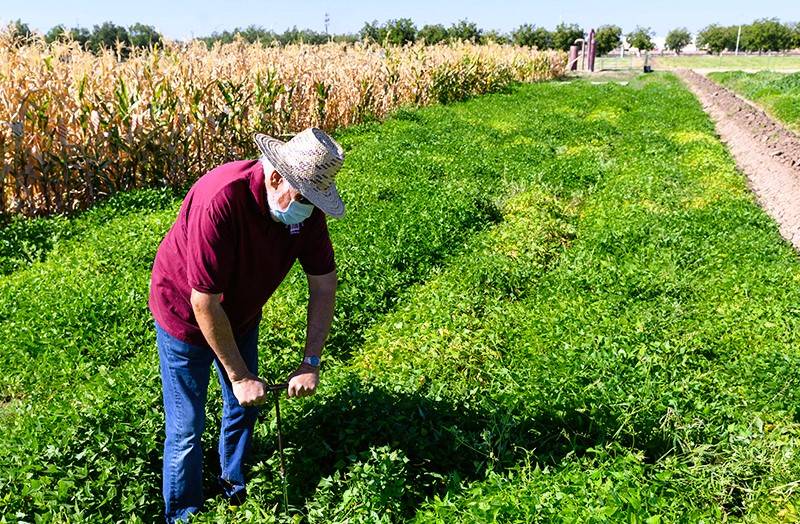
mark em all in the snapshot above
pixel 767 152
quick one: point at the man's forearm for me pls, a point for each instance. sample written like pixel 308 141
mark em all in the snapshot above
pixel 320 316
pixel 216 328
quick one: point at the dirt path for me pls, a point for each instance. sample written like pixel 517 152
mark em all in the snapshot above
pixel 767 152
pixel 705 70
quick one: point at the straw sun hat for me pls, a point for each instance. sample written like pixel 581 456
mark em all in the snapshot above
pixel 309 162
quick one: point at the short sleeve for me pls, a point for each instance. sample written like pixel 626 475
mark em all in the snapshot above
pixel 316 255
pixel 210 249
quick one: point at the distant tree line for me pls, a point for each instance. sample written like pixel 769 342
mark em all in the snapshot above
pixel 403 31
pixel 254 33
pixel 763 35
pixel 104 35
pixel 392 32
pixel 766 34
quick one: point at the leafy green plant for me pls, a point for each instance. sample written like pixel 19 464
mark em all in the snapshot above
pixel 371 490
pixel 24 241
pixel 85 305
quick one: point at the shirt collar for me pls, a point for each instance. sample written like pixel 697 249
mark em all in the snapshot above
pixel 258 187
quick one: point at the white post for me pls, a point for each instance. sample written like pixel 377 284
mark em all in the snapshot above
pixel 738 36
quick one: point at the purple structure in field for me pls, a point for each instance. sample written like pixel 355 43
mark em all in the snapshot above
pixel 592 50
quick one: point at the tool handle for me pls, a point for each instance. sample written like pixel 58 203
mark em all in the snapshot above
pixel 277 396
pixel 277 387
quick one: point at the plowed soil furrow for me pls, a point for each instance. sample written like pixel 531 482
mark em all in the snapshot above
pixel 767 152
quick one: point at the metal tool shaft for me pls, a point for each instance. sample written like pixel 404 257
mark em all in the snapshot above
pixel 276 389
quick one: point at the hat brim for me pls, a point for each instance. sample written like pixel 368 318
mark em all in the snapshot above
pixel 328 201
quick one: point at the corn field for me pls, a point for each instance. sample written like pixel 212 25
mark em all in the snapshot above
pixel 76 127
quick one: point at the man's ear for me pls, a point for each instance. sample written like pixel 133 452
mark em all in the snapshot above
pixel 275 179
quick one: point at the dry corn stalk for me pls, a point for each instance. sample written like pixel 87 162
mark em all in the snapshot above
pixel 75 127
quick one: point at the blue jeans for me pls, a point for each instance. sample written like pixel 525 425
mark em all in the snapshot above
pixel 185 371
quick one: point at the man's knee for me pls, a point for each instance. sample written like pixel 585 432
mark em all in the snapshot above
pixel 186 431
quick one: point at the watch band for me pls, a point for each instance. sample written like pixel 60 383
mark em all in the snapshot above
pixel 312 361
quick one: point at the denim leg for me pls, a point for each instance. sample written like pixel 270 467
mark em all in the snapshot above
pixel 236 432
pixel 185 371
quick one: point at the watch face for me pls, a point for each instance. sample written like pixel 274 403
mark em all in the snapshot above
pixel 312 360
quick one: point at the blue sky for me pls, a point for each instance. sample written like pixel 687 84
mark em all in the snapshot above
pixel 181 18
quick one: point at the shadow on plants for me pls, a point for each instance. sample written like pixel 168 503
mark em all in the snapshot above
pixel 26 240
pixel 445 442
pixel 373 288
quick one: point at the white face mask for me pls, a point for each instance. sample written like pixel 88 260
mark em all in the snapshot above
pixel 295 212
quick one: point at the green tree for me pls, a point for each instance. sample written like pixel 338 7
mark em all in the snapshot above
pixel 81 35
pixel 565 35
pixel 349 38
pixel 107 35
pixel 641 38
pixel 794 29
pixel 465 30
pixel 496 36
pixel 400 31
pixel 309 36
pixel 296 36
pixel 607 38
pixel 254 33
pixel 433 33
pixel 542 38
pixel 371 31
pixel 293 35
pixel 677 39
pixel 20 32
pixel 224 37
pixel 532 36
pixel 137 35
pixel 796 35
pixel 57 32
pixel 144 36
pixel 716 38
pixel 768 34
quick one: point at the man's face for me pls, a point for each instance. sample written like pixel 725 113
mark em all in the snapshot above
pixel 281 193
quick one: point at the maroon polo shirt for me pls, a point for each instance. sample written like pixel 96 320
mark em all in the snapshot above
pixel 225 241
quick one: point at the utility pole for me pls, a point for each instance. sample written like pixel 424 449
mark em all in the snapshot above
pixel 327 20
pixel 738 36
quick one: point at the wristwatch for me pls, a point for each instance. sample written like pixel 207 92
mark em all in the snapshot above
pixel 312 361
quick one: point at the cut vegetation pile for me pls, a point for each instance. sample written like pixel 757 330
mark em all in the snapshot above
pixel 559 303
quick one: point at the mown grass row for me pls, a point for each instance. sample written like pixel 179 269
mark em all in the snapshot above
pixel 777 93
pixel 81 392
pixel 25 241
